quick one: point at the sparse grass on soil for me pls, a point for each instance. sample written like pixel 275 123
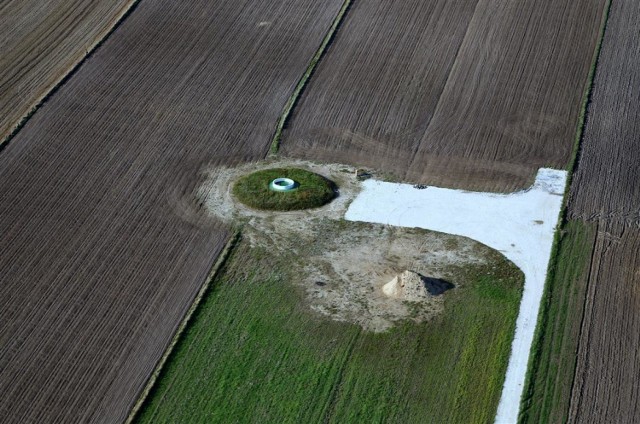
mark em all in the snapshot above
pixel 312 190
pixel 255 352
pixel 548 390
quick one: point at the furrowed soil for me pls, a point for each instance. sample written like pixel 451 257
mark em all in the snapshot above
pixel 605 387
pixel 41 41
pixel 605 192
pixel 605 184
pixel 474 95
pixel 260 350
pixel 102 248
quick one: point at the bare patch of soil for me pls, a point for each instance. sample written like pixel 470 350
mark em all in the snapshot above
pixel 342 266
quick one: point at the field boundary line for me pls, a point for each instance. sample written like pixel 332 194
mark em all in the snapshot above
pixel 583 118
pixel 539 335
pixel 213 273
pixel 293 99
pixel 53 88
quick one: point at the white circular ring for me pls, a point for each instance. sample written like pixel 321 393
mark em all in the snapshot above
pixel 282 184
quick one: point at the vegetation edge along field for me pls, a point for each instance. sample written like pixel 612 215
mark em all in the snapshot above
pixel 291 102
pixel 548 389
pixel 537 404
pixel 217 267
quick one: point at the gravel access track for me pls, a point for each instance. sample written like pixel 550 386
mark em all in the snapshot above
pixel 605 190
pixel 102 248
pixel 41 41
pixel 474 95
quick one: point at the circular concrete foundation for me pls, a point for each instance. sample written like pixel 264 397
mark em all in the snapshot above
pixel 282 184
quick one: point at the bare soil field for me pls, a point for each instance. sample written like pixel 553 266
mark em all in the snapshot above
pixel 102 247
pixel 606 180
pixel 41 41
pixel 475 95
pixel 605 387
pixel 605 191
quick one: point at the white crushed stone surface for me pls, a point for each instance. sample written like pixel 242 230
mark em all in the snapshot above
pixel 521 225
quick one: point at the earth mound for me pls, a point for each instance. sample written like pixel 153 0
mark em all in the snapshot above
pixel 261 189
pixel 414 287
pixel 407 286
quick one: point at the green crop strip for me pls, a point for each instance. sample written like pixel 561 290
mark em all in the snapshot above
pixel 553 360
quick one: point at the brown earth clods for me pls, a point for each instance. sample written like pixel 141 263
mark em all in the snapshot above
pixel 102 249
pixel 475 95
pixel 605 190
pixel 41 41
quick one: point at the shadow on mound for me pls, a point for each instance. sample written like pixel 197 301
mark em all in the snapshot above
pixel 436 286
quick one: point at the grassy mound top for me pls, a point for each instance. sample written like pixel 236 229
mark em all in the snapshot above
pixel 312 190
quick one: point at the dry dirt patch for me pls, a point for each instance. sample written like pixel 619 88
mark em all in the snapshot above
pixel 342 266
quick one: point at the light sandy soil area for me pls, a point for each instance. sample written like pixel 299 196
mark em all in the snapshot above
pixel 343 266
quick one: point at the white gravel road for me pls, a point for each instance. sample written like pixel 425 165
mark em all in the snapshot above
pixel 520 225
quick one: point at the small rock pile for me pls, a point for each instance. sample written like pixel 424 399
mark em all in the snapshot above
pixel 408 286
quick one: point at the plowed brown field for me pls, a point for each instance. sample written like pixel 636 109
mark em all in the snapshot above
pixel 605 387
pixel 606 190
pixel 101 248
pixel 606 181
pixel 464 94
pixel 41 41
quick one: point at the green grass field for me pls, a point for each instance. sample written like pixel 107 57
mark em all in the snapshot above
pixel 548 389
pixel 312 190
pixel 255 352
